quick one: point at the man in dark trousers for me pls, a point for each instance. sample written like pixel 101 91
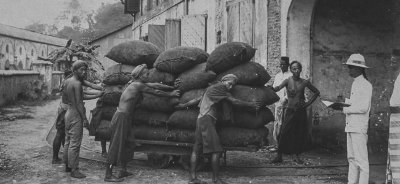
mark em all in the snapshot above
pixel 121 149
pixel 75 117
pixel 206 137
pixel 59 139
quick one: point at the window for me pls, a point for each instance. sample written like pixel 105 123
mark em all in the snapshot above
pixel 42 53
pixel 20 51
pixel 7 49
pixel 32 52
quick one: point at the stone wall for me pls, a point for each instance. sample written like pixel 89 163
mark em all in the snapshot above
pixel 16 83
pixel 274 37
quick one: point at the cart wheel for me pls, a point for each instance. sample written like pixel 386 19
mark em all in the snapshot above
pixel 185 162
pixel 159 161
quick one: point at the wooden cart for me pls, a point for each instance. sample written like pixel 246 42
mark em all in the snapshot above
pixel 161 153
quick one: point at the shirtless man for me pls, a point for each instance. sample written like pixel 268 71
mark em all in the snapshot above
pixel 206 137
pixel 75 117
pixel 121 150
pixel 59 139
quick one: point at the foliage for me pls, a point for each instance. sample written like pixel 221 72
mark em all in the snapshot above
pixel 78 51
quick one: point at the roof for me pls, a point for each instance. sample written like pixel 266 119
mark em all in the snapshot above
pixel 30 35
pixel 111 32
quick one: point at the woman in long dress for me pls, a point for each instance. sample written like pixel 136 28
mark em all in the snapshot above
pixel 293 137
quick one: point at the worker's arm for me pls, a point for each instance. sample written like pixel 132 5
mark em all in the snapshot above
pixel 146 89
pixel 282 85
pixel 159 86
pixel 91 85
pixel 240 103
pixel 189 103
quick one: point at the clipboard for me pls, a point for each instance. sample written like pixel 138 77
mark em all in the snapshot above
pixel 335 104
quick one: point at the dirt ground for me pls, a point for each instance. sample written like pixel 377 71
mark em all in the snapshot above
pixel 25 157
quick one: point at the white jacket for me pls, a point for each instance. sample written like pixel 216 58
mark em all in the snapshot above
pixel 357 115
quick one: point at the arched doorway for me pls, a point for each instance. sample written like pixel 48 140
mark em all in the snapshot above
pixel 322 34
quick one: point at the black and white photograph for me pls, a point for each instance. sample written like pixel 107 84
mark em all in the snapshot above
pixel 200 91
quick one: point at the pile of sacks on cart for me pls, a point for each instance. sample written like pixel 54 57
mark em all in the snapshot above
pixel 157 119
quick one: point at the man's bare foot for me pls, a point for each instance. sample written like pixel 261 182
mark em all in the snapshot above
pixel 123 174
pixel 104 154
pixel 112 178
pixel 196 181
pixel 219 181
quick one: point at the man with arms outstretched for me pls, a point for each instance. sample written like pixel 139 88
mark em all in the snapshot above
pixel 121 149
pixel 206 138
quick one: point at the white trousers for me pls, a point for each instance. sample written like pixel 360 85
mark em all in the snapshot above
pixel 278 121
pixel 357 155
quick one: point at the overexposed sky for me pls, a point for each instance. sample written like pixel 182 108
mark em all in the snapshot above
pixel 20 13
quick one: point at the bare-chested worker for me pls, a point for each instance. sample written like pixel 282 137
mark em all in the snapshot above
pixel 121 150
pixel 75 117
pixel 59 139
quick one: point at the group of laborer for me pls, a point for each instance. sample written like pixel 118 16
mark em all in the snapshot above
pixel 290 127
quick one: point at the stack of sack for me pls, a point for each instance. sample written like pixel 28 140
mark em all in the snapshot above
pixel 196 70
pixel 128 55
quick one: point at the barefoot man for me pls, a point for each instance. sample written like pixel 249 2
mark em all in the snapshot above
pixel 121 150
pixel 206 138
pixel 75 117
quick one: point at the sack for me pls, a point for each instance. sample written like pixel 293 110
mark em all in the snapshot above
pixel 184 119
pixel 250 74
pixel 264 95
pixel 114 88
pixel 242 137
pixel 163 134
pixel 103 132
pixel 150 118
pixel 192 94
pixel 195 78
pixel 229 55
pixel 179 59
pixel 117 79
pixel 107 112
pixel 118 74
pixel 252 120
pixel 111 98
pixel 95 120
pixel 160 77
pixel 134 53
pixel 158 103
pixel 119 68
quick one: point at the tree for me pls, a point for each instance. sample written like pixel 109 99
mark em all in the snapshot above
pixel 81 51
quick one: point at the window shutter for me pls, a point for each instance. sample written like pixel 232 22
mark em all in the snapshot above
pixel 132 6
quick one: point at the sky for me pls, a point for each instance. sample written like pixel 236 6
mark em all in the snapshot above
pixel 20 13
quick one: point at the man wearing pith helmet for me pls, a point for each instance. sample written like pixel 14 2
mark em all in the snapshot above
pixel 357 116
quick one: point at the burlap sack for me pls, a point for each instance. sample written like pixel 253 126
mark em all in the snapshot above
pixel 156 103
pixel 192 94
pixel 229 55
pixel 103 131
pixel 195 78
pixel 264 95
pixel 179 59
pixel 160 77
pixel 184 119
pixel 107 112
pixel 111 98
pixel 134 53
pixel 250 74
pixel 118 74
pixel 252 120
pixel 151 118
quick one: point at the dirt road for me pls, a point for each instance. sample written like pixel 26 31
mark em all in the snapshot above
pixel 25 157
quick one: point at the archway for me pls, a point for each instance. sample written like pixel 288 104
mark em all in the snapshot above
pixel 322 34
